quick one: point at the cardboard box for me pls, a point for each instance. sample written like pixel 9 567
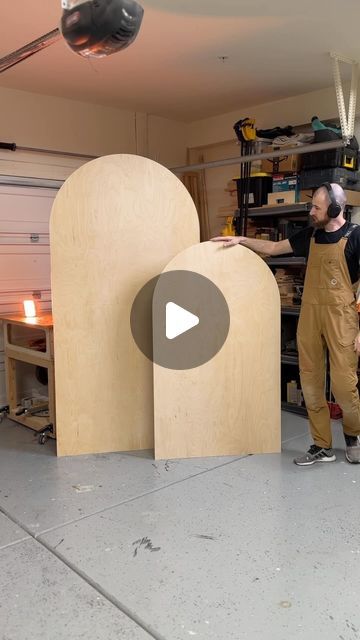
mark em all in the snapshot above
pixel 286 162
pixel 282 197
pixel 282 182
pixel 305 196
pixel 352 197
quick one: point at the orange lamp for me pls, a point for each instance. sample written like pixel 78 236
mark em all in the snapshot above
pixel 29 308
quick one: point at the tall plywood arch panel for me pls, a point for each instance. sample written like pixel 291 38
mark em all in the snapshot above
pixel 115 224
pixel 231 404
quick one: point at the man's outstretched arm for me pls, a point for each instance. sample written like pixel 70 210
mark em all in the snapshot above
pixel 267 247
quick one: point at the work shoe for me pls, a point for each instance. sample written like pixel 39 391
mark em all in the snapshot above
pixel 315 454
pixel 352 449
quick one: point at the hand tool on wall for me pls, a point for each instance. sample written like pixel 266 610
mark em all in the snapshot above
pixel 246 134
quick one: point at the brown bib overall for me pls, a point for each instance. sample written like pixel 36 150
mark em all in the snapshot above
pixel 329 318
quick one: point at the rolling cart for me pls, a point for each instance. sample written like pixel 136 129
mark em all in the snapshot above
pixel 36 415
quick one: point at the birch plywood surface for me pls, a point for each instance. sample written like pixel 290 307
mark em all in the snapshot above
pixel 231 404
pixel 115 224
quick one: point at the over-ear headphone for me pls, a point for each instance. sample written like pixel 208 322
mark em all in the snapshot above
pixel 334 208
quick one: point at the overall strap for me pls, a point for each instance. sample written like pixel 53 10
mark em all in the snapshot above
pixel 350 230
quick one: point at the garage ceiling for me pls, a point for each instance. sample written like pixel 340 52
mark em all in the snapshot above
pixel 175 68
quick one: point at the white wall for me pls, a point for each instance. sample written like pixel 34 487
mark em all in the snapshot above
pixel 167 141
pixel 24 254
pixel 33 120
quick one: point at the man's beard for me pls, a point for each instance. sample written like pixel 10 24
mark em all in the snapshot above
pixel 319 224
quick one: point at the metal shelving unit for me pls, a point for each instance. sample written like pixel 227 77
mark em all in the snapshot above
pixel 290 261
pixel 287 359
pixel 294 408
pixel 286 210
pixel 290 311
pixel 272 215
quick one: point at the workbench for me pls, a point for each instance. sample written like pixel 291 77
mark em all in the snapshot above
pixel 18 348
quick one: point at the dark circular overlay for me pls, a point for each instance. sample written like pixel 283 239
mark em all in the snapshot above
pixel 192 293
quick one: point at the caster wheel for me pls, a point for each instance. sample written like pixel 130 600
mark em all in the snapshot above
pixel 3 412
pixel 42 438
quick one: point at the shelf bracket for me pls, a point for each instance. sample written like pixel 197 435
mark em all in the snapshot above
pixel 347 121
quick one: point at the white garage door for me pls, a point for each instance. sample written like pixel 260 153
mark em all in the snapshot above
pixel 24 253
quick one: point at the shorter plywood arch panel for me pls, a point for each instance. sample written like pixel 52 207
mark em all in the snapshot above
pixel 231 404
pixel 115 224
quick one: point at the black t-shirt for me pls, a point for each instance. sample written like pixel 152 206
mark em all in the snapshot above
pixel 300 244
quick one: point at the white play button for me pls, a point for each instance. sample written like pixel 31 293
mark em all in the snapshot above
pixel 183 305
pixel 178 320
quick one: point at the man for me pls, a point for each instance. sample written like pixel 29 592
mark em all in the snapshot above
pixel 328 318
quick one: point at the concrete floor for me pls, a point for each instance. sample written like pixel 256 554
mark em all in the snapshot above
pixel 119 546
